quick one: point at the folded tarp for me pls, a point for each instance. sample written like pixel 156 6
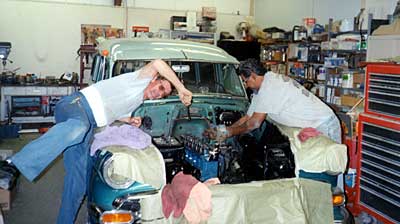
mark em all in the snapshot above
pixel 292 200
pixel 317 154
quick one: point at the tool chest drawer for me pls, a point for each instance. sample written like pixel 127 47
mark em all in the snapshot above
pixel 383 91
pixel 379 173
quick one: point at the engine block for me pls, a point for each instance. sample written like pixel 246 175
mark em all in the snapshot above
pixel 204 155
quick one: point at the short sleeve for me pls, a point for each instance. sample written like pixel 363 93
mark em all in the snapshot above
pixel 252 106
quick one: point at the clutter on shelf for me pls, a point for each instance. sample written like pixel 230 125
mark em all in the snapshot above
pixel 90 32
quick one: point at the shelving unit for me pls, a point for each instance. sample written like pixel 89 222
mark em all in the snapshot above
pixel 274 56
pixel 343 87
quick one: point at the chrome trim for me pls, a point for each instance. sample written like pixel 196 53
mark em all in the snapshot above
pixel 377 166
pixel 374 100
pixel 395 163
pixel 379 138
pixel 109 180
pixel 383 149
pixel 380 195
pixel 383 93
pixel 388 180
pixel 382 187
pixel 384 87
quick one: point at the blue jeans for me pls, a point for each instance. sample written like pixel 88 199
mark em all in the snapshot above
pixel 72 136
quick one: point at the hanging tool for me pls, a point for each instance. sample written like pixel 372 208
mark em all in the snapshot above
pixel 188 113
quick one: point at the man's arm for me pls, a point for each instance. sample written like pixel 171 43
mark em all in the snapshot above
pixel 160 67
pixel 250 124
pixel 240 121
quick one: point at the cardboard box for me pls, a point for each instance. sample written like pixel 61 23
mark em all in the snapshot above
pixel 209 12
pixel 358 78
pixel 349 100
pixel 6 198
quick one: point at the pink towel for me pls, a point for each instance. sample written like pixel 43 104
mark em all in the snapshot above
pixel 307 133
pixel 198 207
pixel 174 196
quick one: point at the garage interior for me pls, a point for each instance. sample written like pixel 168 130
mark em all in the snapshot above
pixel 346 53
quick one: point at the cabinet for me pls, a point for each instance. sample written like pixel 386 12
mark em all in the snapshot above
pixel 378 167
pixel 31 104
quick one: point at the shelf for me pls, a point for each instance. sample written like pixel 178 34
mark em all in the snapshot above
pixel 273 42
pixel 345 51
pixel 301 77
pixel 344 70
pixel 339 87
pixel 273 62
pixel 305 62
pixel 350 32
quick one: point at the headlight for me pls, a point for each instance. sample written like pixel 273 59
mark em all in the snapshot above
pixel 113 175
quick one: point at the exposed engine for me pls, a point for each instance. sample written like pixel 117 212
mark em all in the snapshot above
pixel 237 160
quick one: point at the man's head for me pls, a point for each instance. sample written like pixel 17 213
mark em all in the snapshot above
pixel 158 88
pixel 252 73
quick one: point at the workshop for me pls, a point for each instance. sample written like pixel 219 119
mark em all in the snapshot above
pixel 153 111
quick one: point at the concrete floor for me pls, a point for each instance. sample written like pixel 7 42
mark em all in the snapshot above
pixel 37 202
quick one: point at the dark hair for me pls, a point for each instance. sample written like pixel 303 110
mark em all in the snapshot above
pixel 251 65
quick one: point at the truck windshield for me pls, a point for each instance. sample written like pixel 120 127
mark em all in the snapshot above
pixel 202 78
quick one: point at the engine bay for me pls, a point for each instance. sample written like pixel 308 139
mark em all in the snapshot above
pixel 177 131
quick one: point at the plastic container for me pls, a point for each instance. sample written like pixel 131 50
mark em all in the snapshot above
pixel 9 131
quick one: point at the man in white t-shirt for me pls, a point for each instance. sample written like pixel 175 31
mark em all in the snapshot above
pixel 284 101
pixel 78 114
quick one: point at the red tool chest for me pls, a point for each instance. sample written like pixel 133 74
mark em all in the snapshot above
pixel 378 173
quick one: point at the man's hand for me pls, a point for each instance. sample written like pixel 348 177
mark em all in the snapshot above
pixel 185 96
pixel 210 133
pixel 219 133
pixel 134 121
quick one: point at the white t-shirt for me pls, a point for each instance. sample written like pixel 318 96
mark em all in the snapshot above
pixel 289 103
pixel 115 98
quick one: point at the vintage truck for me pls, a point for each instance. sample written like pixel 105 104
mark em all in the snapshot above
pixel 125 184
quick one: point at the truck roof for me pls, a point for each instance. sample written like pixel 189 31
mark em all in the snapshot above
pixel 148 49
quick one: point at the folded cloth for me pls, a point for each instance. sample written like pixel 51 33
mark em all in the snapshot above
pixel 175 195
pixel 125 135
pixel 307 133
pixel 198 206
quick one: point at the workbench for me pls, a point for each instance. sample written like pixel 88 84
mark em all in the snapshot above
pixel 35 102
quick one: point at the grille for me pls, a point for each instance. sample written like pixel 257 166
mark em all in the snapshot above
pixel 384 94
pixel 380 170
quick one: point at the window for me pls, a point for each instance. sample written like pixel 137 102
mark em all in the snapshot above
pixel 202 78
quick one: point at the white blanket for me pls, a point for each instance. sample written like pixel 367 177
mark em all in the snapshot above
pixel 317 154
pixel 293 200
